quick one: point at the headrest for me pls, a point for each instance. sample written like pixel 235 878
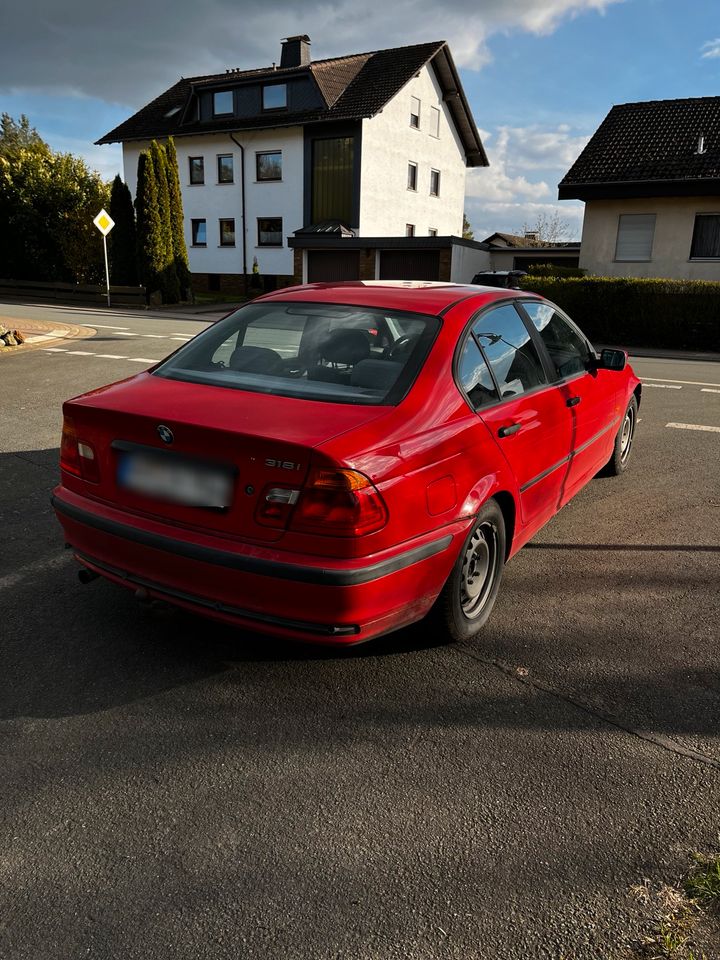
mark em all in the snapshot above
pixel 345 346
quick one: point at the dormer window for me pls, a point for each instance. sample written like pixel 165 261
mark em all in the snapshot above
pixel 274 96
pixel 222 103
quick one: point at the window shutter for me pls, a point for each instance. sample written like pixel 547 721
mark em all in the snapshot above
pixel 635 236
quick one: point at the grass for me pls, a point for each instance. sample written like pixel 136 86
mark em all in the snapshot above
pixel 680 909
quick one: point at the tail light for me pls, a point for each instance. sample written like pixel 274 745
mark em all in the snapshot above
pixel 77 456
pixel 341 503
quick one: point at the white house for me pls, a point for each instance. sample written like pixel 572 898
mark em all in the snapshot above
pixel 371 145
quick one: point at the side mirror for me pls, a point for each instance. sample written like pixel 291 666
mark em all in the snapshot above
pixel 612 360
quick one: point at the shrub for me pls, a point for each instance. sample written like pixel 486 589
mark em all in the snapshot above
pixel 554 270
pixel 669 314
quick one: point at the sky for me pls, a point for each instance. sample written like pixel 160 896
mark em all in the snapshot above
pixel 540 75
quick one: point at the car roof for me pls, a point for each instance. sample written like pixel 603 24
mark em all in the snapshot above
pixel 416 296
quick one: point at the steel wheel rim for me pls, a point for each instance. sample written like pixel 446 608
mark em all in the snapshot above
pixel 478 570
pixel 626 437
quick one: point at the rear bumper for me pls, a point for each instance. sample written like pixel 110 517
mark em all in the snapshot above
pixel 338 601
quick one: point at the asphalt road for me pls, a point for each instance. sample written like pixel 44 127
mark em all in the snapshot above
pixel 171 788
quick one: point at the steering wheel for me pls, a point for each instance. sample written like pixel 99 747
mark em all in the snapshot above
pixel 399 345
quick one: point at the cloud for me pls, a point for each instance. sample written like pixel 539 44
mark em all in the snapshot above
pixel 711 49
pixel 128 53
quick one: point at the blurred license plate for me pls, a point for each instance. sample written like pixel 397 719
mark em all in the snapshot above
pixel 164 478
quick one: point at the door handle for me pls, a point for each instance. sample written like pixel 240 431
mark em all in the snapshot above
pixel 573 401
pixel 509 430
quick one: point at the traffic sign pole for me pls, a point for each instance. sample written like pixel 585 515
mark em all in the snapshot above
pixel 104 222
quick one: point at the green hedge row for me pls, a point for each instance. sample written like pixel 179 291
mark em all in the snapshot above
pixel 555 270
pixel 630 312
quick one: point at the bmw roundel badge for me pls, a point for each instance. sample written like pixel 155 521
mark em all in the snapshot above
pixel 166 434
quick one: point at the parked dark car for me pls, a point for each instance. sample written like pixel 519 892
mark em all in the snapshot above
pixel 499 278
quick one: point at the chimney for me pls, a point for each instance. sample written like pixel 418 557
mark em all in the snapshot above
pixel 295 52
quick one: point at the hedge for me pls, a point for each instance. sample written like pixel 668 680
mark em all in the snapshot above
pixel 554 270
pixel 631 312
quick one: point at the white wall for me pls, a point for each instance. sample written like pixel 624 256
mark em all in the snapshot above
pixel 212 200
pixel 675 218
pixel 389 143
pixel 466 262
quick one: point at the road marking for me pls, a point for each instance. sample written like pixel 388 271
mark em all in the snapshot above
pixel 663 386
pixel 689 383
pixel 55 350
pixel 707 390
pixel 11 580
pixel 141 360
pixel 119 333
pixel 79 353
pixel 110 356
pixel 185 339
pixel 155 336
pixel 693 426
pixel 103 326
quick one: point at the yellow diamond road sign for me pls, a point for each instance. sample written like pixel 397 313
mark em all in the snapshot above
pixel 104 222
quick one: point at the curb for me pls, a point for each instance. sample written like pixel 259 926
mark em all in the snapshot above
pixel 39 334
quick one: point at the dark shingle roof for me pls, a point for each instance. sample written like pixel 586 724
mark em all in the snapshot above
pixel 652 142
pixel 352 88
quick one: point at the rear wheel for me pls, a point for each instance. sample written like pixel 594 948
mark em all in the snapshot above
pixel 469 594
pixel 623 442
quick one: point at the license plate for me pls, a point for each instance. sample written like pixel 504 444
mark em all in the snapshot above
pixel 183 482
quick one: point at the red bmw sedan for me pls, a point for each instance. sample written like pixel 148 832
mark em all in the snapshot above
pixel 335 461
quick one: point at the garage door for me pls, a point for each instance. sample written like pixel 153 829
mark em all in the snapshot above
pixel 410 265
pixel 328 265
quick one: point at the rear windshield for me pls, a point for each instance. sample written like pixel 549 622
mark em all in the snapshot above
pixel 336 353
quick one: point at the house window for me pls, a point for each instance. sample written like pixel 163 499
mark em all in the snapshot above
pixel 706 237
pixel 222 103
pixel 635 236
pixel 434 183
pixel 412 176
pixel 432 232
pixel 268 166
pixel 227 233
pixel 197 169
pixel 199 233
pixel 270 232
pixel 333 167
pixel 225 168
pixel 434 122
pixel 409 229
pixel 274 96
pixel 415 113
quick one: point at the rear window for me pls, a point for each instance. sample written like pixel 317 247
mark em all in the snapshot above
pixel 330 352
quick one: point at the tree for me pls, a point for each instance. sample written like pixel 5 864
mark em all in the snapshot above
pixel 149 226
pixel 467 231
pixel 169 284
pixel 550 228
pixel 19 135
pixel 122 239
pixel 47 204
pixel 180 254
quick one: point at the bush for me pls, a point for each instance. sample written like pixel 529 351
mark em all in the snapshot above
pixel 553 270
pixel 630 312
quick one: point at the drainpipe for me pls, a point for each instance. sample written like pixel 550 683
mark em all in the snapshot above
pixel 242 200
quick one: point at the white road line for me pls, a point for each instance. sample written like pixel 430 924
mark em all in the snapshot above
pixel 155 336
pixel 11 580
pixel 103 326
pixel 693 426
pixel 79 353
pixel 663 386
pixel 55 349
pixel 185 339
pixel 142 360
pixel 708 390
pixel 689 383
pixel 110 356
pixel 119 333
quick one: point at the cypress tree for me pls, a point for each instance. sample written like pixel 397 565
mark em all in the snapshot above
pixel 149 227
pixel 122 239
pixel 182 266
pixel 169 283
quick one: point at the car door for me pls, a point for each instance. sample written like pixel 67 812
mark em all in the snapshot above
pixel 591 394
pixel 505 381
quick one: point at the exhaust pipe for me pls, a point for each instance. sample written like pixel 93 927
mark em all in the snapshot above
pixel 87 576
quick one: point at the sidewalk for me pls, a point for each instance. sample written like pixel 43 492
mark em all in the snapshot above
pixel 39 333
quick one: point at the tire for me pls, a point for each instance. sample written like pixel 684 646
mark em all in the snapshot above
pixel 622 449
pixel 469 594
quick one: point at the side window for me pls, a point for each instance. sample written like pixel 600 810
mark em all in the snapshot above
pixel 509 350
pixel 568 351
pixel 475 377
